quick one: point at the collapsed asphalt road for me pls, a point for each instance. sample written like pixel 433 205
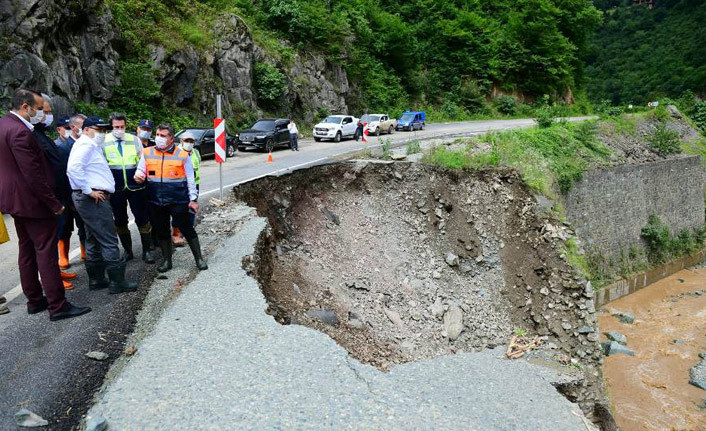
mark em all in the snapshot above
pixel 42 365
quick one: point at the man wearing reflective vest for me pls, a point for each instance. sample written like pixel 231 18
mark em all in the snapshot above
pixel 171 189
pixel 123 151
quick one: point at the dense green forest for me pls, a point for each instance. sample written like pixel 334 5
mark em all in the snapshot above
pixel 397 53
pixel 640 54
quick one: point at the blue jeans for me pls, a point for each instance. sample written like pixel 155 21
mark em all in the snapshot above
pixel 293 139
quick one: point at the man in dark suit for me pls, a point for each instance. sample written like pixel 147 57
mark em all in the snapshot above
pixel 27 194
pixel 62 190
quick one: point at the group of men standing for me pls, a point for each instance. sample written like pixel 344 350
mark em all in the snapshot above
pixel 88 177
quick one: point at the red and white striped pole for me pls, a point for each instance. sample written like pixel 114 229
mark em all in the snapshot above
pixel 365 132
pixel 219 126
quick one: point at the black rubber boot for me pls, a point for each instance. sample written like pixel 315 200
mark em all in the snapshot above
pixel 116 274
pixel 96 275
pixel 126 241
pixel 195 247
pixel 147 255
pixel 167 251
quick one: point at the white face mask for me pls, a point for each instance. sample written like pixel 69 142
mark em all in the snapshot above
pixel 187 146
pixel 119 133
pixel 99 138
pixel 67 133
pixel 161 142
pixel 144 134
pixel 48 119
pixel 37 117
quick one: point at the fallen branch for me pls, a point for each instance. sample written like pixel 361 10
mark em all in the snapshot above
pixel 520 344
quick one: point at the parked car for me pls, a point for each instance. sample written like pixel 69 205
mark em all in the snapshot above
pixel 379 123
pixel 206 141
pixel 412 120
pixel 336 127
pixel 266 134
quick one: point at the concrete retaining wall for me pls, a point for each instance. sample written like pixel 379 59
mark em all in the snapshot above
pixel 609 207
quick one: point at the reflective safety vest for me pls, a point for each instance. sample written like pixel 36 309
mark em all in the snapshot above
pixel 123 166
pixel 196 164
pixel 166 176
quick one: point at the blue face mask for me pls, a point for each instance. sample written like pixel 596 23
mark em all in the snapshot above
pixel 144 134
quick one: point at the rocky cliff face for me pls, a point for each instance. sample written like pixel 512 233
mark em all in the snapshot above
pixel 69 51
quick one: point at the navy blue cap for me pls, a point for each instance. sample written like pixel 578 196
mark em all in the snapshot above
pixel 63 121
pixel 146 123
pixel 94 121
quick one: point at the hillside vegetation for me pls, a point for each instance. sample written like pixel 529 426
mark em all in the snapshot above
pixel 397 54
pixel 640 55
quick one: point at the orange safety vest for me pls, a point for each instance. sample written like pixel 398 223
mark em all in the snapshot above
pixel 166 175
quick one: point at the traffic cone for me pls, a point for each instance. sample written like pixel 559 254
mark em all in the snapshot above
pixel 365 134
pixel 269 158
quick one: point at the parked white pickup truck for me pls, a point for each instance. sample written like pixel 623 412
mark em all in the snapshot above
pixel 335 127
pixel 379 123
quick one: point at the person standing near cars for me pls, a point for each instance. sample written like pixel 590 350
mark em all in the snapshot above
pixel 293 135
pixel 123 151
pixel 172 192
pixel 92 183
pixel 27 194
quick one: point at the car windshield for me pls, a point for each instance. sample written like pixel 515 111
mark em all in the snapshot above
pixel 407 117
pixel 372 118
pixel 264 125
pixel 333 120
pixel 196 132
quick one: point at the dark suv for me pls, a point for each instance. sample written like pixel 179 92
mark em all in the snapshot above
pixel 265 134
pixel 206 141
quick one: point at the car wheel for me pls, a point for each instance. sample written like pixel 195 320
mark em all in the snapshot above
pixel 338 137
pixel 389 131
pixel 269 145
pixel 377 131
pixel 421 127
pixel 230 150
pixel 317 139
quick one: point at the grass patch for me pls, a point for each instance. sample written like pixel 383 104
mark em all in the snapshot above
pixel 549 159
pixel 413 147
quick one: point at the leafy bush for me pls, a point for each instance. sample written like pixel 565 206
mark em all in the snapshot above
pixel 662 246
pixel 386 151
pixel 270 82
pixel 614 111
pixel 664 140
pixel 699 115
pixel 545 116
pixel 506 105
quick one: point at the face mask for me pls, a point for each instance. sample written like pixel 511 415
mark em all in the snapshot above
pixel 161 142
pixel 99 138
pixel 119 134
pixel 79 132
pixel 37 117
pixel 67 133
pixel 187 146
pixel 48 120
pixel 144 134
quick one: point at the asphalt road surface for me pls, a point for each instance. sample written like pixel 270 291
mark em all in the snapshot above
pixel 41 363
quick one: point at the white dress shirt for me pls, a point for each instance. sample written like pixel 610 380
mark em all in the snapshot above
pixel 293 129
pixel 188 168
pixel 87 168
pixel 27 123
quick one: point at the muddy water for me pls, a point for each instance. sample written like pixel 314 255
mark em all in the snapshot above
pixel 651 390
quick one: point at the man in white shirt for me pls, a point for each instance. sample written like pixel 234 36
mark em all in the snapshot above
pixel 293 135
pixel 92 183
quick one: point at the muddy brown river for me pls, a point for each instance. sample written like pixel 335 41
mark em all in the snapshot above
pixel 651 390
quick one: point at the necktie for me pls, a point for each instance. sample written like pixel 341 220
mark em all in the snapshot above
pixel 120 147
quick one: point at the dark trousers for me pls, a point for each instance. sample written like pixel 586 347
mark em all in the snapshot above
pixel 66 224
pixel 101 239
pixel 159 214
pixel 294 139
pixel 38 254
pixel 192 216
pixel 138 205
